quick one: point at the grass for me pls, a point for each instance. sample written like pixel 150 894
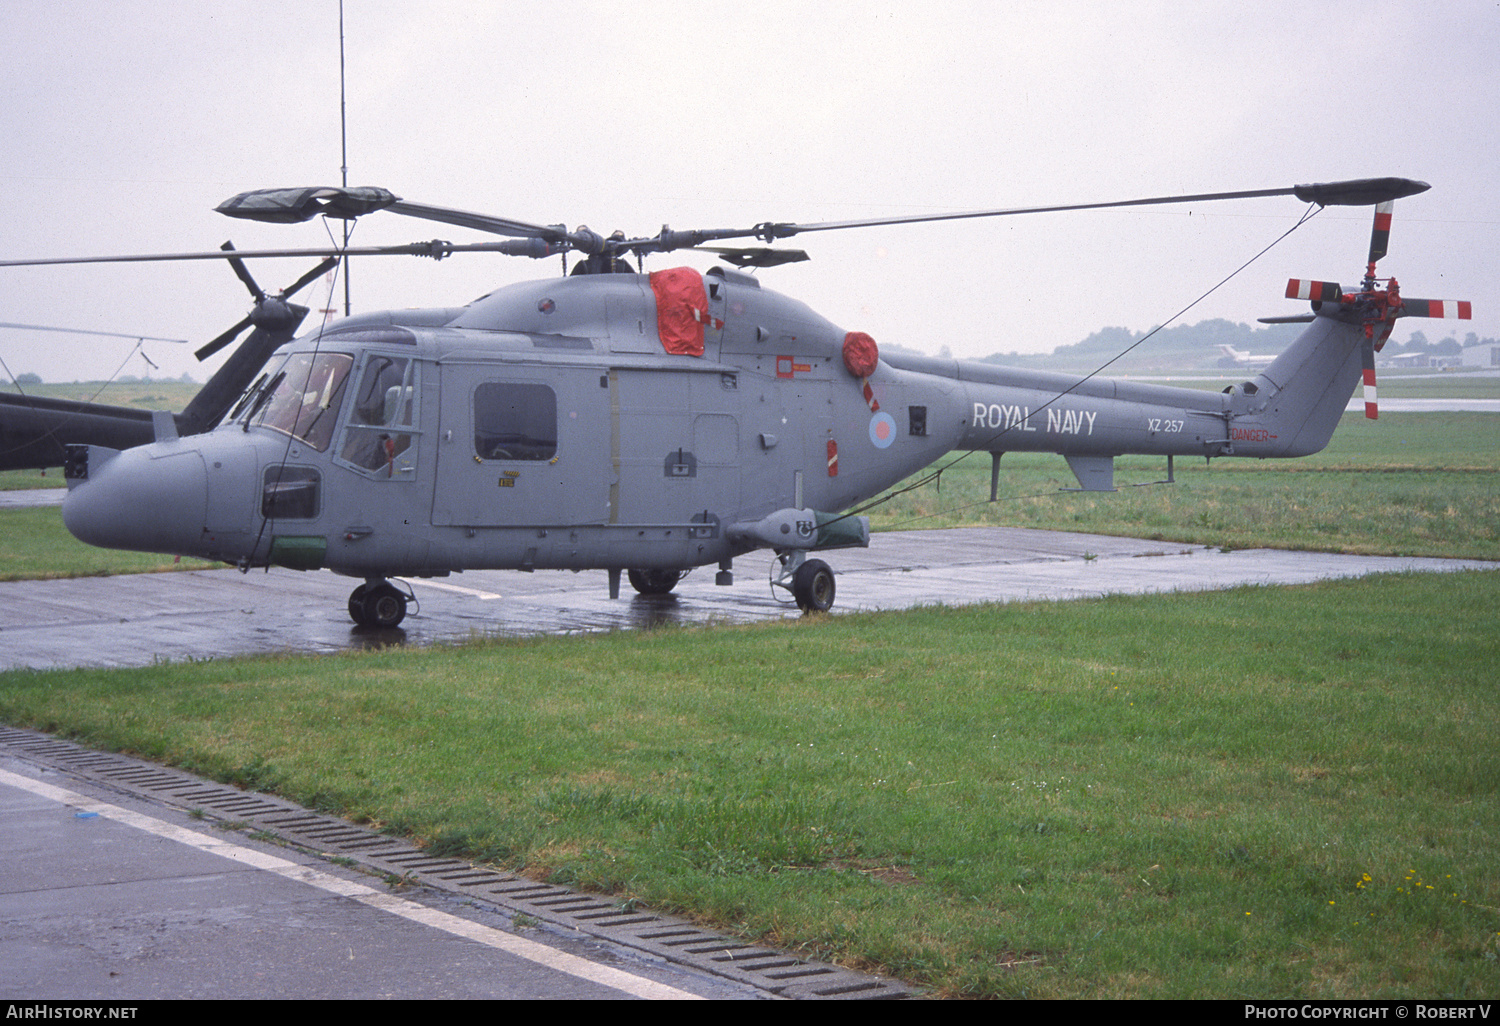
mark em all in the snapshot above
pixel 1265 792
pixel 1413 484
pixel 145 395
pixel 34 545
pixel 142 395
pixel 1406 383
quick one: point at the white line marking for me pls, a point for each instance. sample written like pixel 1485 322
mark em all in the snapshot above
pixel 636 986
pixel 483 596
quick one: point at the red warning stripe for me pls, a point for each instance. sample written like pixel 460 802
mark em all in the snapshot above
pixel 1317 291
pixel 833 458
pixel 870 397
pixel 703 318
pixel 1380 237
pixel 1459 309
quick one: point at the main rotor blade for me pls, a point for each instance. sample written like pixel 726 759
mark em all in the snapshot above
pixel 436 249
pixel 1354 192
pixel 757 256
pixel 292 206
pixel 480 222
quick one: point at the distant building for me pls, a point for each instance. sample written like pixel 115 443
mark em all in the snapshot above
pixel 1486 354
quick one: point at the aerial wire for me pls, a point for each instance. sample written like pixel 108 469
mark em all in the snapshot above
pixel 1312 211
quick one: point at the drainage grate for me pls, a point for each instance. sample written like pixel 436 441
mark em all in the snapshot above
pixel 667 937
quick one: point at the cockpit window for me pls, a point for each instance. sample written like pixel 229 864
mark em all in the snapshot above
pixel 304 396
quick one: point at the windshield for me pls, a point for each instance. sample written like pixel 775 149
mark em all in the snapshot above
pixel 303 397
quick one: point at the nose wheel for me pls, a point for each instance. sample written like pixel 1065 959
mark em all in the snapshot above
pixel 809 580
pixel 377 604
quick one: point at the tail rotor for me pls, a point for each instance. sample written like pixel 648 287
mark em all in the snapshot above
pixel 1375 308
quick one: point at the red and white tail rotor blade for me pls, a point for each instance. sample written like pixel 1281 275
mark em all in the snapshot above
pixel 1380 235
pixel 1367 360
pixel 1451 309
pixel 1317 291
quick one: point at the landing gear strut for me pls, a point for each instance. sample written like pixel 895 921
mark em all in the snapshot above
pixel 809 580
pixel 377 603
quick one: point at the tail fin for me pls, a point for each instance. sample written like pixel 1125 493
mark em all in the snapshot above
pixel 1298 400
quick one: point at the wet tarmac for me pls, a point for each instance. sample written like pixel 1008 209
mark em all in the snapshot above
pixel 141 619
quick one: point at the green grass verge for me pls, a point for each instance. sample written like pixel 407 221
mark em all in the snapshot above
pixel 1412 484
pixel 34 545
pixel 1267 792
pixel 1394 384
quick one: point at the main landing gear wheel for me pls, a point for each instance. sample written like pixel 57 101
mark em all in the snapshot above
pixel 377 605
pixel 812 586
pixel 654 582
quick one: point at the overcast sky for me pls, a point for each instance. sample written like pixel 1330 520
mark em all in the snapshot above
pixel 125 123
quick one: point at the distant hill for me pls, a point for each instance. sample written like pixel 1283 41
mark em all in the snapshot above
pixel 1175 350
pixel 1189 348
pixel 146 395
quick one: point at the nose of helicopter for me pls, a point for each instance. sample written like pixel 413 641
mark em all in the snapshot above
pixel 152 498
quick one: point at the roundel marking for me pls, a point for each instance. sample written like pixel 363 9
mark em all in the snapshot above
pixel 882 430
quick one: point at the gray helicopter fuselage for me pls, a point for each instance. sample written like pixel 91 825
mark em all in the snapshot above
pixel 550 425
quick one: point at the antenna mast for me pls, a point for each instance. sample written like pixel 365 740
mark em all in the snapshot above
pixel 343 147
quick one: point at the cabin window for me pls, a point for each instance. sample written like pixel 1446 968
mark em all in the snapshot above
pixel 382 417
pixel 515 421
pixel 304 397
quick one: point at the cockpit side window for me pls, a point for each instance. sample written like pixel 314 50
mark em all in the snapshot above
pixel 383 417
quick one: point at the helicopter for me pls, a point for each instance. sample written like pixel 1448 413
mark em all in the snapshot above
pixel 642 423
